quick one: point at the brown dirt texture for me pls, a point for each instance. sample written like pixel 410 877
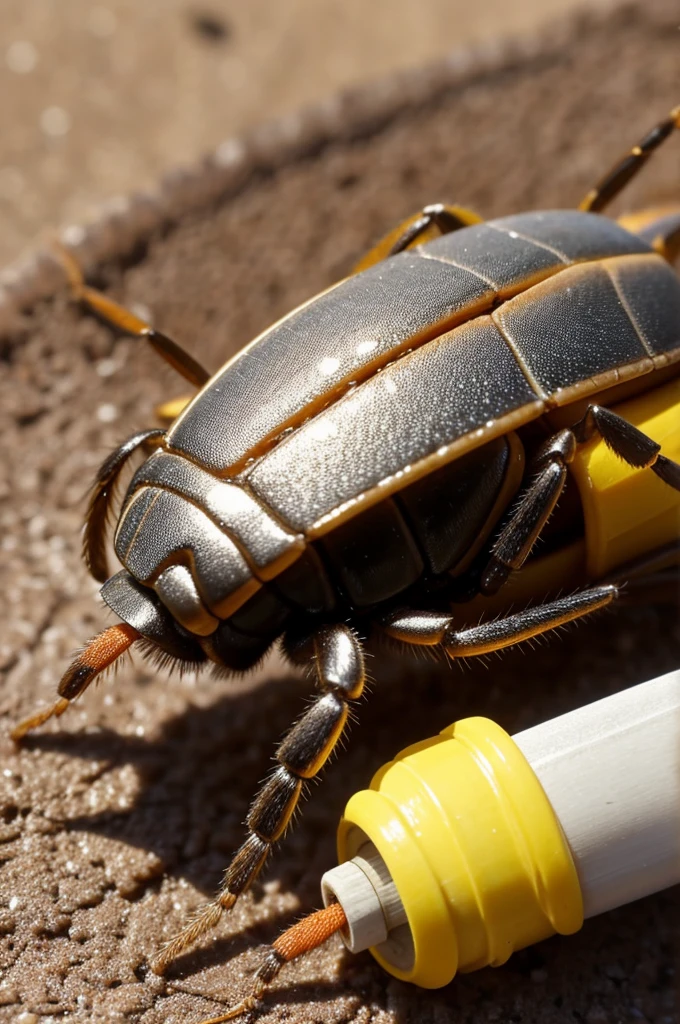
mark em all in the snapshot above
pixel 117 821
pixel 103 97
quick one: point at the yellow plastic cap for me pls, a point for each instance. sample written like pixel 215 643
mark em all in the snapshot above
pixel 474 848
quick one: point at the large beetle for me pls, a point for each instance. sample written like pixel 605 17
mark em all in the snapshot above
pixel 392 450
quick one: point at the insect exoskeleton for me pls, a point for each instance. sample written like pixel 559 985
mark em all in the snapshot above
pixel 390 452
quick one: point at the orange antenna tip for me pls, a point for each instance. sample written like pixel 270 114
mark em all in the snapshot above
pixel 303 936
pixel 99 654
pixel 310 932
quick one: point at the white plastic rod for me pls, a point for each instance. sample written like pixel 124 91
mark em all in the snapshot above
pixel 611 771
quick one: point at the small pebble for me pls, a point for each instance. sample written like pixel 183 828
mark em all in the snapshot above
pixel 21 57
pixel 107 413
pixel 106 367
pixel 55 122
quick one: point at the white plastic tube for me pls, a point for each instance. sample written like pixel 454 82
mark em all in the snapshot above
pixel 611 771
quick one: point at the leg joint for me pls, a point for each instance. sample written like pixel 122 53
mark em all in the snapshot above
pixel 309 743
pixel 274 805
pixel 339 661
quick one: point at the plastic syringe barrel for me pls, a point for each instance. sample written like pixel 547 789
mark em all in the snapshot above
pixel 471 845
pixel 611 771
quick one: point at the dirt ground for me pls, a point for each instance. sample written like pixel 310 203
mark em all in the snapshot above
pixel 118 820
pixel 104 97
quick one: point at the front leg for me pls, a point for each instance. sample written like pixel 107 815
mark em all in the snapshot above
pixel 338 659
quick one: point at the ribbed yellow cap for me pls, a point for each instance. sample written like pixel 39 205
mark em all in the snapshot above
pixel 474 848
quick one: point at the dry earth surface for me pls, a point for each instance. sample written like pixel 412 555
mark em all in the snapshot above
pixel 103 97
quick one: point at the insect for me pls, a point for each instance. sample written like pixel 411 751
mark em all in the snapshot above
pixel 389 452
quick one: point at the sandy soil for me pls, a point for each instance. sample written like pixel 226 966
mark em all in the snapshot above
pixel 101 98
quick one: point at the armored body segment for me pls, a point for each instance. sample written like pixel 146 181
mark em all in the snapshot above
pixel 446 508
pixel 309 358
pixel 465 381
pixel 575 236
pixel 302 362
pixel 569 329
pixel 159 529
pixel 376 562
pixel 650 289
pixel 264 542
pixel 509 261
pixel 140 607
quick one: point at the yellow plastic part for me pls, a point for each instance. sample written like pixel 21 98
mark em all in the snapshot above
pixel 475 850
pixel 630 512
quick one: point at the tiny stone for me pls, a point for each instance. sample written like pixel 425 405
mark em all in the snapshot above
pixel 72 235
pixel 106 367
pixel 21 57
pixel 55 121
pixel 230 153
pixel 8 996
pixel 107 413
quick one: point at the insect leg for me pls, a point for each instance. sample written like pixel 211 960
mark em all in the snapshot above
pixel 100 654
pixel 436 629
pixel 339 663
pixel 659 227
pixel 431 221
pixel 126 320
pixel 99 506
pixel 629 443
pixel 626 168
pixel 519 534
pixel 167 412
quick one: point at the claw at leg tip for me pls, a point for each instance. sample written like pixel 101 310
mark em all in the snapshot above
pixel 28 724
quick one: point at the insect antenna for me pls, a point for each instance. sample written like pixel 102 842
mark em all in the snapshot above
pixel 98 655
pixel 300 938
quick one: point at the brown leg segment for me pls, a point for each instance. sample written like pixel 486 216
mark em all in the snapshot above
pixel 126 320
pixel 625 170
pixel 432 221
pixel 339 663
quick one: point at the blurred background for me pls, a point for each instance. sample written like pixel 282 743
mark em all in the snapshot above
pixel 102 98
